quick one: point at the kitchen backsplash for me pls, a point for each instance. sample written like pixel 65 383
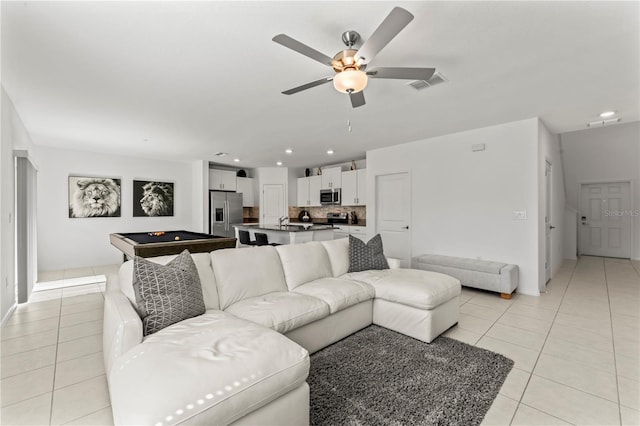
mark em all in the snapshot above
pixel 320 213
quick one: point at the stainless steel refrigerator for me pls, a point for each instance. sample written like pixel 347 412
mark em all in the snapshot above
pixel 225 209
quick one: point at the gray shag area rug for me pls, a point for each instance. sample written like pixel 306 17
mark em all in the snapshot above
pixel 379 377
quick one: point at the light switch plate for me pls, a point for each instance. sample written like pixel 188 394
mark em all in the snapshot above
pixel 477 147
pixel 519 215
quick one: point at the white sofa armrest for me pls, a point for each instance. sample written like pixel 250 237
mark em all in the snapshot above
pixel 122 327
pixel 394 263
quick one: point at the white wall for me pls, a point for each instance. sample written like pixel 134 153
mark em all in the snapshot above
pixel 462 201
pixel 14 136
pixel 273 176
pixel 72 243
pixel 604 154
pixel 200 206
pixel 549 149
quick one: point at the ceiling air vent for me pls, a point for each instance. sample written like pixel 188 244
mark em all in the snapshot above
pixel 436 78
pixel 221 154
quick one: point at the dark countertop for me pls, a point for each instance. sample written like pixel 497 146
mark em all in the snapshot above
pixel 284 228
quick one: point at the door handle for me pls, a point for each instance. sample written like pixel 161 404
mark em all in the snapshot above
pixel 552 227
pixel 405 227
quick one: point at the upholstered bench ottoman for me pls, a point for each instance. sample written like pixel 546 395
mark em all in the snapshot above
pixel 212 369
pixel 483 274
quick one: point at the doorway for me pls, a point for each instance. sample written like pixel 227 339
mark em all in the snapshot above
pixel 547 225
pixel 25 227
pixel 393 215
pixel 605 223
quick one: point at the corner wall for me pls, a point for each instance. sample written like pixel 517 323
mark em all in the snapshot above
pixel 463 201
pixel 73 243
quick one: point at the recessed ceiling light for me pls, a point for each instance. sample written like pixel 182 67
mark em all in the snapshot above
pixel 330 152
pixel 288 151
pixel 279 163
pixel 237 160
pixel 607 114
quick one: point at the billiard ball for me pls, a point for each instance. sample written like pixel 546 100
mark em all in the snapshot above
pixel 177 238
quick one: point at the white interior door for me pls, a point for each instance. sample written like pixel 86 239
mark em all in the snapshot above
pixel 393 217
pixel 605 219
pixel 273 207
pixel 547 223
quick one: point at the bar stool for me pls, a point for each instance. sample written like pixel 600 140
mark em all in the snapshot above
pixel 245 238
pixel 263 240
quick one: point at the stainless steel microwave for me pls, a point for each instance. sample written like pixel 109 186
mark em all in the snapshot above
pixel 330 196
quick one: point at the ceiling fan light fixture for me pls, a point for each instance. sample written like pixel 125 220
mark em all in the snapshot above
pixel 350 81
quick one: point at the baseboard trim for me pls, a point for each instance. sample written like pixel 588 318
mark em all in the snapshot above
pixel 8 315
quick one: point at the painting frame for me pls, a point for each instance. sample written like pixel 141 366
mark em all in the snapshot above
pixel 153 198
pixel 94 196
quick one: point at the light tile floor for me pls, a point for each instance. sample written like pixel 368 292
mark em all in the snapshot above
pixel 576 351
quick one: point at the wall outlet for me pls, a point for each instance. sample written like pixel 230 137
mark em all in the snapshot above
pixel 477 147
pixel 519 215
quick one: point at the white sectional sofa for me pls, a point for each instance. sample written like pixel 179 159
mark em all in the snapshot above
pixel 245 361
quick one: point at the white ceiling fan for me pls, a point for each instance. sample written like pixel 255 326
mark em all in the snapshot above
pixel 350 64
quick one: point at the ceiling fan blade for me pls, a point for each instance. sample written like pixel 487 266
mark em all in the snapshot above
pixel 357 99
pixel 307 86
pixel 388 29
pixel 302 48
pixel 402 73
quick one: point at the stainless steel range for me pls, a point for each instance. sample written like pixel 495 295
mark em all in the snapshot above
pixel 337 218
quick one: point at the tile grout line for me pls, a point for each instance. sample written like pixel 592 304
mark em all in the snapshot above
pixel 555 315
pixel 55 363
pixel 613 341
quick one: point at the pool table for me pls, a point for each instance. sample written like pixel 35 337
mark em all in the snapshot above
pixel 150 244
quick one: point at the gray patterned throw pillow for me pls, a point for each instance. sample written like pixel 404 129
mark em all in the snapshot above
pixel 364 256
pixel 167 294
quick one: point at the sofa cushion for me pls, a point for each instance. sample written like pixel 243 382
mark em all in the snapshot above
pixel 244 273
pixel 203 264
pixel 411 287
pixel 338 252
pixel 462 263
pixel 166 294
pixel 364 256
pixel 280 311
pixel 303 263
pixel 215 362
pixel 337 293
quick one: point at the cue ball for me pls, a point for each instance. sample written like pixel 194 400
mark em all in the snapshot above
pixel 176 238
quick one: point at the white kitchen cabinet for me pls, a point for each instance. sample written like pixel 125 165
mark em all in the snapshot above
pixel 245 186
pixel 331 178
pixel 309 191
pixel 342 231
pixel 222 180
pixel 354 188
pixel 359 232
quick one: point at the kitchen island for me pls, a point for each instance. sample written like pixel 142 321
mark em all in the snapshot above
pixel 288 234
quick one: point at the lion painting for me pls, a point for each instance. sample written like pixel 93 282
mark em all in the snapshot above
pixel 155 198
pixel 94 197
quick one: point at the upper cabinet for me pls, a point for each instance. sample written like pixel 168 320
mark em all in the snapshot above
pixel 222 180
pixel 331 178
pixel 354 188
pixel 309 191
pixel 245 186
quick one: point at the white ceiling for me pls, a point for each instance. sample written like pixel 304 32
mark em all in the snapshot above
pixel 189 79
